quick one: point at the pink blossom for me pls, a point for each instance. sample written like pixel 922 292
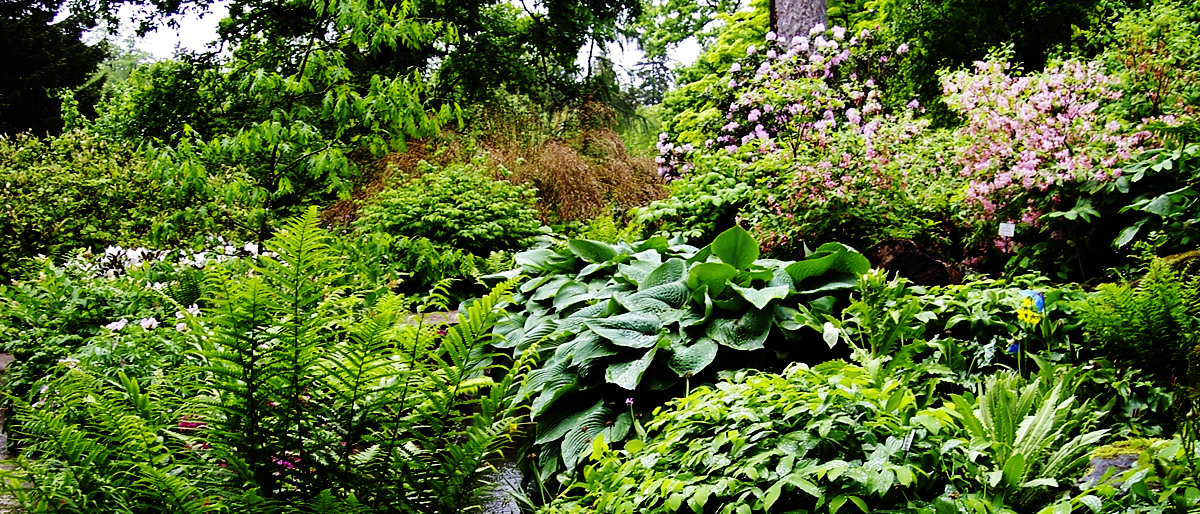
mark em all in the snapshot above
pixel 149 323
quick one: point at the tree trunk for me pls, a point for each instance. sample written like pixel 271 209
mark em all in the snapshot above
pixel 791 17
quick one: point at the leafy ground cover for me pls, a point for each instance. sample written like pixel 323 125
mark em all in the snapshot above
pixel 725 349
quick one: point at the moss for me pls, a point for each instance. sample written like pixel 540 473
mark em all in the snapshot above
pixel 1130 447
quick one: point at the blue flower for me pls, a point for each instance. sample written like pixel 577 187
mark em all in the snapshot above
pixel 1013 348
pixel 1039 301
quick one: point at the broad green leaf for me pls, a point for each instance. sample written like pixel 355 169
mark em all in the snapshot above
pixel 715 275
pixel 746 333
pixel 693 359
pixel 633 445
pixel 592 251
pixel 570 294
pixel 801 270
pixel 1160 206
pixel 550 288
pixel 761 297
pixel 1041 482
pixel 577 442
pixel 564 419
pixel 632 329
pixel 673 270
pixel 1092 502
pixel 736 247
pixel 628 374
pixel 1127 234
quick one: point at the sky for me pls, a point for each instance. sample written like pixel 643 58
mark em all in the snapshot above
pixel 195 32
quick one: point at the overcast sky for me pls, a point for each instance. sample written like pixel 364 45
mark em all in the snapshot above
pixel 195 32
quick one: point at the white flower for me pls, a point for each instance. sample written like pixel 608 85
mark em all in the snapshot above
pixel 817 29
pixel 149 323
pixel 181 327
pixel 116 326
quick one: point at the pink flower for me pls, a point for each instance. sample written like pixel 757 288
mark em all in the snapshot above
pixel 116 326
pixel 149 323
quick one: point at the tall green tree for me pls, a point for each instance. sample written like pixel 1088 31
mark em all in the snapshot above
pixel 954 33
pixel 40 57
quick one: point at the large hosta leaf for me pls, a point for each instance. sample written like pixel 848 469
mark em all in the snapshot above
pixel 715 275
pixel 691 360
pixel 632 329
pixel 592 251
pixel 571 293
pixel 761 297
pixel 746 333
pixel 671 271
pixel 627 374
pixel 559 421
pixel 589 347
pixel 736 247
pixel 635 272
pixel 674 294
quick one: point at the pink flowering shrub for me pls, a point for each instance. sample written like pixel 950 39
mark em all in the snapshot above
pixel 1033 148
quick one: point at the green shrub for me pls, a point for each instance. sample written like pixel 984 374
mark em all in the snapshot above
pixel 648 319
pixel 298 399
pixel 56 312
pixel 1152 324
pixel 73 191
pixel 458 206
pixel 823 438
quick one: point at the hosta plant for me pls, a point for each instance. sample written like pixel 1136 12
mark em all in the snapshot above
pixel 622 327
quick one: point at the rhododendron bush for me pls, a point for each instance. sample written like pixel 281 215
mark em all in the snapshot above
pixel 1033 147
pixel 833 154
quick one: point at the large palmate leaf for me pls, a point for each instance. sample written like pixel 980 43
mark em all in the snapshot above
pixel 746 333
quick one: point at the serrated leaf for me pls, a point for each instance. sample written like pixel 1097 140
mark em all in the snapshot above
pixel 693 359
pixel 1013 469
pixel 628 374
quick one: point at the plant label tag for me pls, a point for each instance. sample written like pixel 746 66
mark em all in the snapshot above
pixel 1008 229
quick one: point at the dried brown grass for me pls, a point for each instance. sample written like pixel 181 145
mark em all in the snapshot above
pixel 377 173
pixel 578 165
pixel 577 180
